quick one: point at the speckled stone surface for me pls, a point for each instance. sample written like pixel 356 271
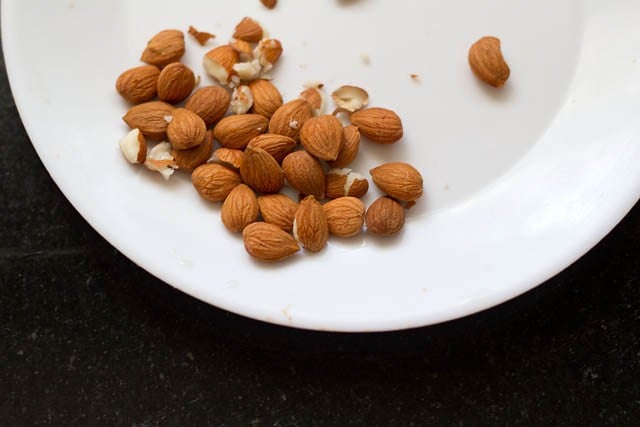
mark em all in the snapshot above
pixel 88 338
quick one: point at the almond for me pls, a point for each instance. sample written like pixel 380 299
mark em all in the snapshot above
pixel 261 171
pixel 268 52
pixel 279 146
pixel 139 84
pixel 345 182
pixel 379 125
pixel 164 48
pixel 175 83
pixel 237 131
pixel 241 100
pixel 399 180
pixel 350 98
pixel 186 129
pixel 289 119
pixel 267 242
pixel 310 226
pixel 214 182
pixel 305 173
pixel 345 216
pixel 487 62
pixel 229 157
pixel 278 209
pixel 150 118
pixel 202 37
pixel 322 137
pixel 266 97
pixel 269 4
pixel 191 158
pixel 160 159
pixel 134 146
pixel 240 209
pixel 350 147
pixel 385 217
pixel 248 30
pixel 210 102
pixel 243 48
pixel 219 63
pixel 315 98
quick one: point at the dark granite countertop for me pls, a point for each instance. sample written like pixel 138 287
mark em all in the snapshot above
pixel 88 338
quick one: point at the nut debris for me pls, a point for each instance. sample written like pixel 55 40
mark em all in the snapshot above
pixel 248 30
pixel 160 159
pixel 134 147
pixel 219 62
pixel 241 100
pixel 350 98
pixel 350 147
pixel 202 37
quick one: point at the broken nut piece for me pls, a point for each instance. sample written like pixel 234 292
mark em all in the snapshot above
pixel 350 98
pixel 134 147
pixel 160 159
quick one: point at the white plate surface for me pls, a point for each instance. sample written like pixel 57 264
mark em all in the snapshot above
pixel 519 182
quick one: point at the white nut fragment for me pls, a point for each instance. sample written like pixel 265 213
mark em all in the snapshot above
pixel 160 159
pixel 216 70
pixel 350 98
pixel 351 178
pixel 248 71
pixel 241 100
pixel 134 147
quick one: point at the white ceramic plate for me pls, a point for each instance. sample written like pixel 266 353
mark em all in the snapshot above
pixel 519 182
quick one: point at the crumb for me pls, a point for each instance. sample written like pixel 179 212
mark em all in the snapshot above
pixel 302 66
pixel 201 36
pixel 415 77
pixel 366 59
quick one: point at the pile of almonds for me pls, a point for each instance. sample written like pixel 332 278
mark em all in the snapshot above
pixel 266 144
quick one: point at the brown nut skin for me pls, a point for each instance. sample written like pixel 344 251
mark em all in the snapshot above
pixel 380 125
pixel 279 146
pixel 350 148
pixel 278 209
pixel 186 129
pixel 237 131
pixel 385 217
pixel 487 62
pixel 261 171
pixel 191 158
pixel 305 173
pixel 209 102
pixel 266 97
pixel 164 48
pixel 310 227
pixel 175 83
pixel 399 180
pixel 139 84
pixel 240 209
pixel 322 137
pixel 289 119
pixel 150 118
pixel 268 243
pixel 345 216
pixel 214 182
